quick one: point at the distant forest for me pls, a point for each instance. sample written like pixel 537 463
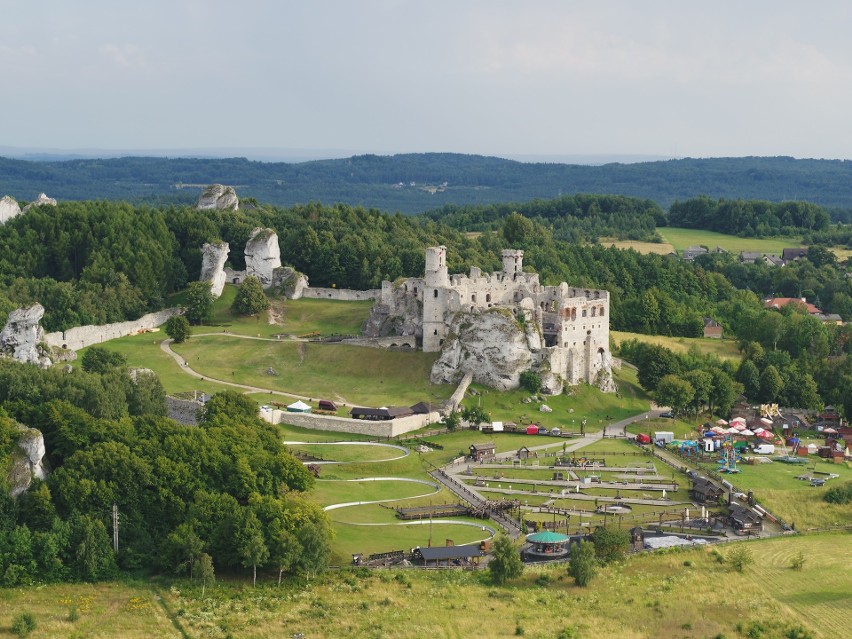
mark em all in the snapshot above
pixel 414 183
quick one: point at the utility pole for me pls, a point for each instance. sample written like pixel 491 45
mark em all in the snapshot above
pixel 115 527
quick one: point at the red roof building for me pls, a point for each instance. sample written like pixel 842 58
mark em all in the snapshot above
pixel 779 302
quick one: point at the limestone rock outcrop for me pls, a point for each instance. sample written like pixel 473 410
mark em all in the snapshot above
pixel 8 208
pixel 22 338
pixel 218 196
pixel 27 461
pixel 213 258
pixel 291 282
pixel 492 346
pixel 41 200
pixel 263 255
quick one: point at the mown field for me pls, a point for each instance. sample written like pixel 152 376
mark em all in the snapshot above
pixel 724 348
pixel 682 238
pixel 686 595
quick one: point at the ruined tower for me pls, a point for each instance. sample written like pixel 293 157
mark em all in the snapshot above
pixel 513 262
pixel 436 281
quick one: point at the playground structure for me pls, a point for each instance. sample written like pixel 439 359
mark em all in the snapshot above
pixel 729 457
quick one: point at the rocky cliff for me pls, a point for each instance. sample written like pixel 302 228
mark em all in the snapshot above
pixel 263 255
pixel 41 200
pixel 492 346
pixel 22 338
pixel 397 312
pixel 218 196
pixel 290 282
pixel 27 461
pixel 213 258
pixel 8 208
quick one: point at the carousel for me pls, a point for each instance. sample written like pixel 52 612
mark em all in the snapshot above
pixel 546 546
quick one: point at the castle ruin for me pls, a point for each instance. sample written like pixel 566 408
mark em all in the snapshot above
pixel 558 331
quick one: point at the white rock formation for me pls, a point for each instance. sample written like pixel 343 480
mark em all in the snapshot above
pixel 22 338
pixel 492 346
pixel 263 255
pixel 41 200
pixel 292 283
pixel 28 461
pixel 213 258
pixel 218 196
pixel 8 208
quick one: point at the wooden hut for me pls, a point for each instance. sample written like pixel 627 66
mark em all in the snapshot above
pixel 480 452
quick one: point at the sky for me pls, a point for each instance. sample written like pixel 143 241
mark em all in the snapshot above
pixel 531 79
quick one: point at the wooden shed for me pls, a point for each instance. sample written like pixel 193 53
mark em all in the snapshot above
pixel 480 452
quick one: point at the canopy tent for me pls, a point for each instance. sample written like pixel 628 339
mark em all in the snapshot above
pixel 765 435
pixel 747 433
pixel 738 427
pixel 764 420
pixel 738 420
pixel 298 407
pixel 830 431
pixel 757 431
pixel 721 422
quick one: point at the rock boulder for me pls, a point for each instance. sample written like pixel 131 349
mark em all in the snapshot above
pixel 213 258
pixel 8 208
pixel 492 346
pixel 218 196
pixel 22 338
pixel 291 283
pixel 27 461
pixel 263 255
pixel 41 200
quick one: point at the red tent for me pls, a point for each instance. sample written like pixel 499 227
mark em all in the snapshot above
pixel 532 429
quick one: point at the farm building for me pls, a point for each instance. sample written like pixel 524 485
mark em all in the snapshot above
pixel 480 452
pixel 380 414
pixel 704 491
pixel 744 520
pixel 449 555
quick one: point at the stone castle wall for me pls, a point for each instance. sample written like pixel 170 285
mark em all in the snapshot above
pixel 83 336
pixel 342 294
pixel 384 429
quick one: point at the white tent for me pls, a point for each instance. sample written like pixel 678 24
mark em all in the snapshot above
pixel 746 433
pixel 298 407
pixel 721 422
pixel 764 420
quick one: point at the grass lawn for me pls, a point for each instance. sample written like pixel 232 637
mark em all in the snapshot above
pixel 297 434
pixel 724 348
pixel 661 248
pixel 676 594
pixel 347 453
pixel 681 429
pixel 340 492
pixel 682 238
pixel 350 374
pixel 568 409
pixel 143 351
pixel 292 317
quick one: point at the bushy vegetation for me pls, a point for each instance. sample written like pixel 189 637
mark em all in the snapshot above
pixel 750 218
pixel 839 494
pixel 228 489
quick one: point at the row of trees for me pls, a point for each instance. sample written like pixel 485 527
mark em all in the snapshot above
pixel 749 218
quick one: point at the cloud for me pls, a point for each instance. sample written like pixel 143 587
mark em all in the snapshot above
pixel 125 56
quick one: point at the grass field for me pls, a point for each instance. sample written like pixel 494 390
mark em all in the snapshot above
pixel 349 374
pixel 684 595
pixel 682 238
pixel 292 317
pixel 568 409
pixel 724 348
pixel 661 248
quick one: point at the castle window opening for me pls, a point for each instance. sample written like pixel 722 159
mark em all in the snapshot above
pixel 435 332
pixel 602 311
pixel 488 297
pixel 435 293
pixel 594 311
pixel 585 312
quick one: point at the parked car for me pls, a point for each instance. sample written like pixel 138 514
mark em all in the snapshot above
pixel 543 431
pixel 668 414
pixel 555 431
pixel 642 438
pixel 817 482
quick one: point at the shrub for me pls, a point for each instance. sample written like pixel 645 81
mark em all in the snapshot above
pixel 839 494
pixel 798 561
pixel 23 624
pixel 177 328
pixel 531 381
pixel 583 563
pixel 740 558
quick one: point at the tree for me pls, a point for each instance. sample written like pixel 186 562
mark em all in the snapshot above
pixel 475 415
pixel 506 562
pixel 702 383
pixel 250 299
pixel 739 558
pixel 205 571
pixel 531 381
pixel 177 327
pixel 771 384
pixel 199 302
pixel 315 541
pixel 675 392
pixel 723 391
pixel 582 565
pixel 749 377
pixel 252 549
pixel 452 420
pixel 186 546
pixel 97 359
pixel 610 543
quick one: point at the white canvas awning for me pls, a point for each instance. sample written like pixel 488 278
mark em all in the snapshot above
pixel 299 407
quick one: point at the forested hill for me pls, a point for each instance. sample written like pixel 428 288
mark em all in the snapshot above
pixel 413 183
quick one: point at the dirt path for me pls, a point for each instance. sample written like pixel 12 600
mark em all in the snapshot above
pixel 165 346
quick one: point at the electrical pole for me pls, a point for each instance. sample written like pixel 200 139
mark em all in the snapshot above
pixel 115 528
